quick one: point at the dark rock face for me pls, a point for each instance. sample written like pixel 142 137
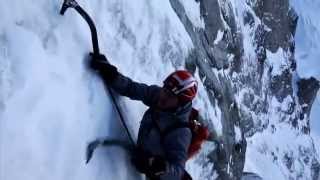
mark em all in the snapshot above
pixel 233 74
pixel 280 85
pixel 210 12
pixel 279 19
pixel 307 92
pixel 315 168
pixel 208 55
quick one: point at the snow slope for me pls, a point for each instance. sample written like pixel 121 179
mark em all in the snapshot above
pixel 51 105
pixel 308 45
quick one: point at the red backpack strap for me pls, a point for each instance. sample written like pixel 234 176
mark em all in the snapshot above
pixel 198 139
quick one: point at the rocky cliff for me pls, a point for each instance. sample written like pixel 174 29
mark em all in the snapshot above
pixel 244 53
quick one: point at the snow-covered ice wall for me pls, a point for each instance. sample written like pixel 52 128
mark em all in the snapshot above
pixel 51 105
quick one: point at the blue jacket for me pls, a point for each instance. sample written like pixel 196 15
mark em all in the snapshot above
pixel 174 146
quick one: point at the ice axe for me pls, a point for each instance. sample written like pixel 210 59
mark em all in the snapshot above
pixel 95 43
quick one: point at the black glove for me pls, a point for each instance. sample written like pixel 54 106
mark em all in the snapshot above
pixel 152 166
pixel 100 63
pixel 157 165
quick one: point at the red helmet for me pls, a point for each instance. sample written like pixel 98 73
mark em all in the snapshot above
pixel 182 84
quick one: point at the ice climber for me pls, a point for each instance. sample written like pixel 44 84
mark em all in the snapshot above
pixel 161 153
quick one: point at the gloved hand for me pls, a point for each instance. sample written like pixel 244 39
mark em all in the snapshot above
pixel 157 165
pixel 149 165
pixel 100 63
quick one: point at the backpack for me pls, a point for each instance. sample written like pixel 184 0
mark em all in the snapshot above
pixel 200 133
